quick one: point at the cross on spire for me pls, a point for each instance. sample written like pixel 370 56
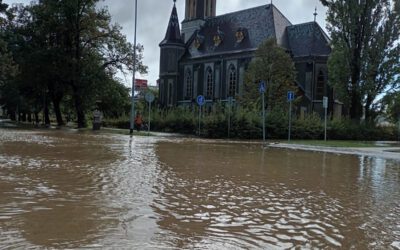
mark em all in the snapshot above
pixel 315 14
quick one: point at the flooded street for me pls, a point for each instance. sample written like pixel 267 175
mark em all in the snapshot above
pixel 65 189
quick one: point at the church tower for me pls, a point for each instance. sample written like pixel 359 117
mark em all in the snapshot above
pixel 172 49
pixel 196 12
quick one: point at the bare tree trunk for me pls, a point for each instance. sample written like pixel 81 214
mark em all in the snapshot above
pixel 57 111
pixel 46 115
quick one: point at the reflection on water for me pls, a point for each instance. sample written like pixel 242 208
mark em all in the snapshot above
pixel 68 190
pixel 226 195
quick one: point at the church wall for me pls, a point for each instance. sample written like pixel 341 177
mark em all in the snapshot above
pixel 220 67
pixel 169 57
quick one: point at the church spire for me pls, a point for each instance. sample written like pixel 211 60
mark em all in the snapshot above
pixel 173 35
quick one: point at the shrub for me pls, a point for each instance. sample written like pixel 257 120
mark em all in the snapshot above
pixel 247 124
pixel 311 127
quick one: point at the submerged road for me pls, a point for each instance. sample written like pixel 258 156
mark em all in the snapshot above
pixel 70 189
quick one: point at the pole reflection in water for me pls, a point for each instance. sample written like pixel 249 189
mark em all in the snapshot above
pixel 61 189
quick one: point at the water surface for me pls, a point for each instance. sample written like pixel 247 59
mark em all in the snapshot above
pixel 65 189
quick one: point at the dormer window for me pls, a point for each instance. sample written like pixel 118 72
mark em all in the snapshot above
pixel 239 36
pixel 218 38
pixel 198 41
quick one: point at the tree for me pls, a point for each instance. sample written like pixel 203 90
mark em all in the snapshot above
pixel 274 66
pixel 68 53
pixel 8 68
pixel 92 37
pixel 366 51
pixel 392 106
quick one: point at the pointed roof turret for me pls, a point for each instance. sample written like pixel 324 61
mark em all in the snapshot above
pixel 173 35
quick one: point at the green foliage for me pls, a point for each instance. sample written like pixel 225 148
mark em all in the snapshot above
pixel 247 124
pixel 274 66
pixel 8 68
pixel 349 130
pixel 392 103
pixel 365 61
pixel 311 127
pixel 68 53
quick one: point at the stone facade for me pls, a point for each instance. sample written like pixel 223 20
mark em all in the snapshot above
pixel 210 55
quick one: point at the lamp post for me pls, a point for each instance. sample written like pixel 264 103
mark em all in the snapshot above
pixel 133 77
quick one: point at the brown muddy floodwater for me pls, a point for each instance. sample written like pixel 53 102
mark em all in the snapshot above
pixel 64 189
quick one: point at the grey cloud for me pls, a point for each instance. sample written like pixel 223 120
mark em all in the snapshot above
pixel 153 18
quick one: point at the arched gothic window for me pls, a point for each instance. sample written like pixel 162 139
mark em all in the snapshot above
pixel 210 83
pixel 189 84
pixel 320 87
pixel 232 81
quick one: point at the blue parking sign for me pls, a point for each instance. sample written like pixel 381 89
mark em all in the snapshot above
pixel 290 96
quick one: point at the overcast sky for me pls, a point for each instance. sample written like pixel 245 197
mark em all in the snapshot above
pixel 153 17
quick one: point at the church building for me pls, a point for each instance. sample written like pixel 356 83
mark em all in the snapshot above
pixel 210 54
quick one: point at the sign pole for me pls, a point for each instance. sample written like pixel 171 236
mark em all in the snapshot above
pixel 149 118
pixel 229 122
pixel 199 120
pixel 262 89
pixel 325 104
pixel 229 116
pixel 290 120
pixel 200 101
pixel 326 114
pixel 263 103
pixel 290 98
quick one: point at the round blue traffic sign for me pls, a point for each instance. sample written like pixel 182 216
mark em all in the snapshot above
pixel 201 100
pixel 149 97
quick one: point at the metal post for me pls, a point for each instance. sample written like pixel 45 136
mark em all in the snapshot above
pixel 229 122
pixel 229 116
pixel 263 104
pixel 326 114
pixel 133 77
pixel 199 120
pixel 290 120
pixel 148 129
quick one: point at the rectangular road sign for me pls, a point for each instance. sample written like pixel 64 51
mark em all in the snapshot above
pixel 290 96
pixel 325 102
pixel 262 87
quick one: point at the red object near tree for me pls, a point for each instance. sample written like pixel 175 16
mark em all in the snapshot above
pixel 141 84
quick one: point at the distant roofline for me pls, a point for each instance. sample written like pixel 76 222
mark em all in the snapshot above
pixel 315 23
pixel 281 13
pixel 239 11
